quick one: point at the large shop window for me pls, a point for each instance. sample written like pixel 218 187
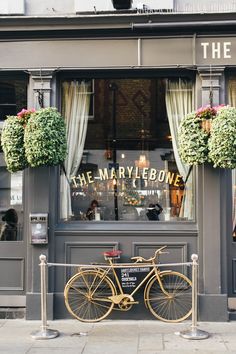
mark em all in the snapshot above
pixel 123 161
pixel 13 97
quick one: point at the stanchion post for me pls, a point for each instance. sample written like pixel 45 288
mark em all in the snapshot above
pixel 45 332
pixel 194 332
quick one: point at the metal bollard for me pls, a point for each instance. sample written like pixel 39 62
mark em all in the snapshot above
pixel 194 332
pixel 45 332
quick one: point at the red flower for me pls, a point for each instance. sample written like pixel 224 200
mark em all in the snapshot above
pixel 24 115
pixel 206 112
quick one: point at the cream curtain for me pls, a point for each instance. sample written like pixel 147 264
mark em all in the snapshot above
pixel 75 109
pixel 232 102
pixel 179 102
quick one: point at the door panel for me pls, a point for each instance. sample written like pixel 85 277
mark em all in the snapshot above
pixel 12 241
pixel 232 251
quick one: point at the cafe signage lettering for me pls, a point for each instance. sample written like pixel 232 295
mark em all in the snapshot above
pixel 104 174
pixel 216 50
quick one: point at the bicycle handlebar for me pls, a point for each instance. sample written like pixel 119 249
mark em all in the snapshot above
pixel 141 259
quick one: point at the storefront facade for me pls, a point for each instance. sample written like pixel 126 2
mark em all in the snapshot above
pixel 124 90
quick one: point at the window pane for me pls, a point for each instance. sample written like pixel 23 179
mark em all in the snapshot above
pixel 13 97
pixel 122 165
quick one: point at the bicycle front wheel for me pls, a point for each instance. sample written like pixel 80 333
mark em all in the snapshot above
pixel 87 296
pixel 176 304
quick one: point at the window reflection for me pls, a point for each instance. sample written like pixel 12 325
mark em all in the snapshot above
pixel 125 159
pixel 13 97
pixel 9 226
pixel 11 211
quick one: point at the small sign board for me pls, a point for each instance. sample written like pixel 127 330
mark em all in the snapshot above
pixel 131 277
pixel 39 228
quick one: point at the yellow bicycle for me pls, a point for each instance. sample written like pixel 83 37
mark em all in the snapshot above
pixel 91 294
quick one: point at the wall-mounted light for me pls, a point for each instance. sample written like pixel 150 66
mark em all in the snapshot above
pixel 122 4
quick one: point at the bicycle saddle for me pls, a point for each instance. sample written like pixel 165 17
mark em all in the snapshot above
pixel 112 254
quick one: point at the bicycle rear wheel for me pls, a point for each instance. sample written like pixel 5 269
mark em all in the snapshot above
pixel 86 296
pixel 177 305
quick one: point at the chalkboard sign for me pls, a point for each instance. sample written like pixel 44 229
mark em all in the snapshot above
pixel 131 277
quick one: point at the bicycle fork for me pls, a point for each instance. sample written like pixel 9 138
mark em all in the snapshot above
pixel 161 284
pixel 158 276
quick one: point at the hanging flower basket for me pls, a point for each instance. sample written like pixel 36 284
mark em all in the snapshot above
pixel 222 141
pixel 34 139
pixel 192 139
pixel 209 135
pixel 12 141
pixel 206 125
pixel 45 138
pixel 206 115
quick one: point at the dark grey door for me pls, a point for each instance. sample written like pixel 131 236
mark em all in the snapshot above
pixel 232 253
pixel 12 239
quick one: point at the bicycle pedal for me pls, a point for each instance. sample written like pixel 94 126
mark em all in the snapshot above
pixel 133 303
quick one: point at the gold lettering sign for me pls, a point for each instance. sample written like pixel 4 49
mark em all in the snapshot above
pixel 131 172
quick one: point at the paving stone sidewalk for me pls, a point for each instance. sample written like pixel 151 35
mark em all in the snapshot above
pixel 115 337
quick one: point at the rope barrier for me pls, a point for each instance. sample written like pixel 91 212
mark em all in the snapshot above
pixel 46 333
pixel 119 265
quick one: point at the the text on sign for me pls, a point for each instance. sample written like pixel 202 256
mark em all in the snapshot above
pixel 216 50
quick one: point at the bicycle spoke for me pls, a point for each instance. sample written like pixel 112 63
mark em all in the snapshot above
pixel 86 296
pixel 100 282
pixel 175 304
pixel 77 309
pixel 77 290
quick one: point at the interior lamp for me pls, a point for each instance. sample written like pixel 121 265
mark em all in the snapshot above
pixel 142 162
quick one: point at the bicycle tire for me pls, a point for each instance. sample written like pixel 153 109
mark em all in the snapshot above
pixel 86 296
pixel 173 308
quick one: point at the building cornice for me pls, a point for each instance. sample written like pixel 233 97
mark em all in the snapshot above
pixel 114 18
pixel 115 24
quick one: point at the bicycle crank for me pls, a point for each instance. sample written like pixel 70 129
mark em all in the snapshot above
pixel 125 304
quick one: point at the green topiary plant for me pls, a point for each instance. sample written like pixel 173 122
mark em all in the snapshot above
pixel 193 148
pixel 45 138
pixel 12 141
pixel 222 141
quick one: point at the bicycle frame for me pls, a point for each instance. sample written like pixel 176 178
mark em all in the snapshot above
pixel 116 299
pixel 94 291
